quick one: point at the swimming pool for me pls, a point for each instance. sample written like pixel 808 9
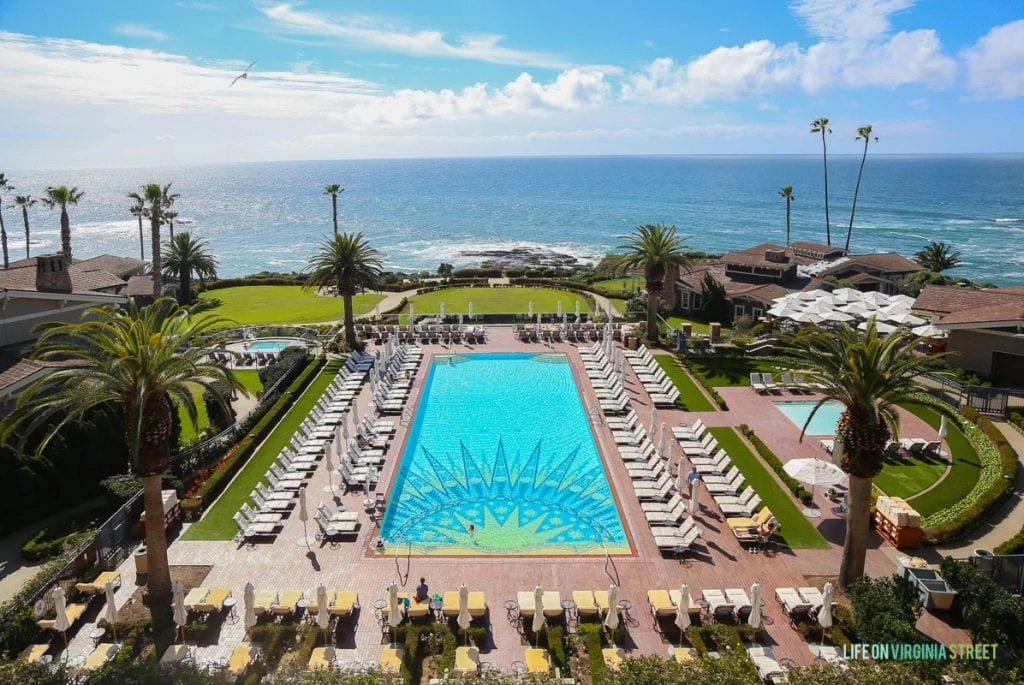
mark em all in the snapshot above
pixel 824 422
pixel 501 460
pixel 269 345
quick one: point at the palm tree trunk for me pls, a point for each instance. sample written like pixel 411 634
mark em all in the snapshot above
pixel 185 287
pixel 824 157
pixel 652 314
pixel 856 190
pixel 787 221
pixel 858 527
pixel 350 326
pixel 158 577
pixel 154 230
pixel 334 207
pixel 142 241
pixel 3 237
pixel 65 235
pixel 24 215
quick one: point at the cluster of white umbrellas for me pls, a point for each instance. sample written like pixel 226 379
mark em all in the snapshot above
pixel 848 305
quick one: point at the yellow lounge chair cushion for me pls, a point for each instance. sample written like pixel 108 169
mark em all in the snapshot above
pixel 100 584
pixel 195 597
pixel 286 602
pixel 32 653
pixel 313 607
pixel 661 603
pixel 682 654
pixel 537 661
pixel 73 612
pixel 477 604
pixel 466 660
pixel 240 659
pixel 744 522
pixel 584 600
pixel 264 600
pixel 391 660
pixel 344 603
pixel 613 657
pixel 101 655
pixel 601 599
pixel 692 606
pixel 322 657
pixel 214 601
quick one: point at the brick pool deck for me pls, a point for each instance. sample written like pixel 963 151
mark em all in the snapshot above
pixel 719 562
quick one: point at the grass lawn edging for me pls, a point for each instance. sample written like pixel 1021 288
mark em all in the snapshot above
pixel 690 395
pixel 796 530
pixel 1014 545
pixel 715 397
pixel 798 490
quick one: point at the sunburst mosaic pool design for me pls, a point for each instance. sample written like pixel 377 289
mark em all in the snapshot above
pixel 501 460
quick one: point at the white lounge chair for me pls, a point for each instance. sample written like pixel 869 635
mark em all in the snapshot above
pixel 757 384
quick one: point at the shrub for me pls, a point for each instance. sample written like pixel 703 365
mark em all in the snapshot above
pixel 18 630
pixel 886 610
pixel 990 613
pixel 288 357
pixel 793 484
pixel 21 672
pixel 591 634
pixel 221 415
pixel 49 543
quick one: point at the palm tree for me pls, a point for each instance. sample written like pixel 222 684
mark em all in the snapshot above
pixel 153 197
pixel 63 196
pixel 139 210
pixel 653 248
pixel 4 185
pixel 188 257
pixel 169 216
pixel 333 189
pixel 787 192
pixel 25 202
pixel 869 375
pixel 348 262
pixel 140 364
pixel 937 257
pixel 864 132
pixel 821 126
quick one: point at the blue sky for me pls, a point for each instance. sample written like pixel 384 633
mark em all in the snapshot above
pixel 106 83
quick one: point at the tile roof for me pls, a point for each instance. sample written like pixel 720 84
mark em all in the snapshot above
pixel 943 299
pixel 884 261
pixel 765 292
pixel 995 313
pixel 24 369
pixel 120 266
pixel 24 278
pixel 139 286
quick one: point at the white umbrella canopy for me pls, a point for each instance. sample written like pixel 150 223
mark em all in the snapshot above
pixel 876 298
pixel 249 602
pixel 611 618
pixel 881 327
pixel 807 317
pixel 856 308
pixel 847 294
pixel 838 316
pixel 928 331
pixel 178 602
pixel 464 619
pixel 111 609
pixel 683 610
pixel 785 311
pixel 394 611
pixel 538 609
pixel 902 299
pixel 815 472
pixel 820 307
pixel 808 295
pixel 754 620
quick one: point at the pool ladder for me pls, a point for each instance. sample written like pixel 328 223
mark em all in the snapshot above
pixel 407 416
pixel 596 415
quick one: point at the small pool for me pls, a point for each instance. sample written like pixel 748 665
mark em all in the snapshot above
pixel 274 346
pixel 824 422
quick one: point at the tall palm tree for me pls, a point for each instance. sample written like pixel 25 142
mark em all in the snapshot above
pixel 869 375
pixel 153 197
pixel 169 216
pixel 787 192
pixel 25 202
pixel 937 257
pixel 653 248
pixel 4 185
pixel 347 261
pixel 139 364
pixel 62 196
pixel 864 132
pixel 821 126
pixel 333 189
pixel 138 209
pixel 188 257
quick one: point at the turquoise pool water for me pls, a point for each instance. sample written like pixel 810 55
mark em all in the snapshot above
pixel 824 422
pixel 268 346
pixel 501 442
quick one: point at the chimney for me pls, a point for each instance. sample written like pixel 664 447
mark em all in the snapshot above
pixel 775 256
pixel 52 274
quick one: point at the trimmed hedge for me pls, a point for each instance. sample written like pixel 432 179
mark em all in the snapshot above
pixel 1016 419
pixel 240 453
pixel 591 634
pixel 42 546
pixel 277 279
pixel 793 484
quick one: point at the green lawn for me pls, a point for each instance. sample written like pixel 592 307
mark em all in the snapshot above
pixel 498 301
pixel 618 285
pixel 698 327
pixel 907 477
pixel 217 523
pixel 257 305
pixel 689 394
pixel 962 477
pixel 726 371
pixel 188 431
pixel 620 305
pixel 250 379
pixel 796 531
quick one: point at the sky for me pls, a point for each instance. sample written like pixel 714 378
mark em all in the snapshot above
pixel 117 83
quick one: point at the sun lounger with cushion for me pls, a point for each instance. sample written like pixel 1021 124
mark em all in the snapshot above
pixel 476 604
pixel 33 653
pixel 693 607
pixel 661 603
pixel 390 659
pixel 195 596
pixel 768 667
pixel 214 601
pixel 344 604
pixel 537 661
pixel 613 657
pixel 73 612
pixel 100 584
pixel 718 604
pixel 99 656
pixel 263 601
pixel 791 601
pixel 467 660
pixel 756 383
pixel 322 657
pixel 241 658
pixel 287 603
pixel 585 604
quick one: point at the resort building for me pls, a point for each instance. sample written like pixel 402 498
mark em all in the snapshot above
pixel 986 328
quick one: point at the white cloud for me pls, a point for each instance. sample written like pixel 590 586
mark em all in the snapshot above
pixel 367 32
pixel 907 57
pixel 849 19
pixel 995 64
pixel 140 31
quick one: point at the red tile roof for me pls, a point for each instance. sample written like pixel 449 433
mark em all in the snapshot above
pixel 943 299
pixel 24 278
pixel 885 261
pixel 1008 312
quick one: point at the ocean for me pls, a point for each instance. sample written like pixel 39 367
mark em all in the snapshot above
pixel 421 212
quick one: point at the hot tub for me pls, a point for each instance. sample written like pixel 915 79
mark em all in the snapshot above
pixel 935 592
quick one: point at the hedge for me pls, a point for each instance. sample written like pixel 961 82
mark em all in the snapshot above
pixel 278 279
pixel 591 633
pixel 684 362
pixel 996 483
pixel 1016 419
pixel 41 546
pixel 793 484
pixel 240 453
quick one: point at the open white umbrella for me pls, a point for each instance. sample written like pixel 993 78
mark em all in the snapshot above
pixel 848 294
pixel 60 605
pixel 464 619
pixel 249 603
pixel 903 318
pixel 876 298
pixel 836 315
pixel 883 328
pixel 529 308
pixel 814 472
pixel 323 616
pixel 304 541
pixel 111 610
pixel 662 442
pixel 538 609
pixel 178 602
pixel 825 612
pixel 611 618
pixel 683 611
pixel 928 331
pixel 559 308
pixel 807 317
pixel 470 308
pixel 754 620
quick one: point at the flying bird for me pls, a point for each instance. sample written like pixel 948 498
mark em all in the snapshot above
pixel 244 74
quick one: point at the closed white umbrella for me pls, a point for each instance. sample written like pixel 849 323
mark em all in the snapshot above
pixel 538 609
pixel 111 607
pixel 304 541
pixel 394 610
pixel 538 322
pixel 662 442
pixel 694 493
pixel 577 311
pixel 681 477
pixel 683 611
pixel 412 316
pixel 323 616
pixel 611 618
pixel 565 321
pixel 654 418
pixel 754 620
pixel 471 310
pixel 825 612
pixel 249 602
pixel 460 321
pixel 943 427
pixel 376 311
pixel 60 605
pixel 178 601
pixel 329 463
pixel 464 619
pixel 559 308
pixel 355 414
pixel 442 310
pixel 529 308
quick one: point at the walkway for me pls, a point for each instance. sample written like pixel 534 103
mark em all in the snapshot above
pixel 392 300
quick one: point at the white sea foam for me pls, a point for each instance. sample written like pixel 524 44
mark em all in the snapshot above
pixel 1006 220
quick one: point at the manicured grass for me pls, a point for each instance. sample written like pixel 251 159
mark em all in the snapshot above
pixel 962 477
pixel 256 305
pixel 726 371
pixel 618 285
pixel 620 305
pixel 689 394
pixel 907 477
pixel 698 327
pixel 188 431
pixel 498 301
pixel 250 379
pixel 217 523
pixel 796 531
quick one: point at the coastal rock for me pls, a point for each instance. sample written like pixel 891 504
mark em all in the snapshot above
pixel 518 257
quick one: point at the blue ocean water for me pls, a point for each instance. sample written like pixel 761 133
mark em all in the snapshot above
pixel 271 216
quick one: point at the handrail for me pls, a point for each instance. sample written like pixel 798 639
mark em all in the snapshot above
pixel 595 414
pixel 407 416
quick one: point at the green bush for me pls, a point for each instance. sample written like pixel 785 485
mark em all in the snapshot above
pixel 1016 418
pixel 793 484
pixel 17 631
pixel 990 613
pixel 591 635
pixel 289 356
pixel 49 542
pixel 886 610
pixel 21 672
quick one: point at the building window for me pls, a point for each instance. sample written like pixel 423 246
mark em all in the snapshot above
pixel 739 310
pixel 757 312
pixel 684 300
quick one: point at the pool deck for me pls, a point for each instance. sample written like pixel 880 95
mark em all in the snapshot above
pixel 719 562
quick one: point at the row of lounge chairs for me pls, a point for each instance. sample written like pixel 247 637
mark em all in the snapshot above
pixel 395 384
pixel 423 335
pixel 765 383
pixel 658 385
pixel 610 393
